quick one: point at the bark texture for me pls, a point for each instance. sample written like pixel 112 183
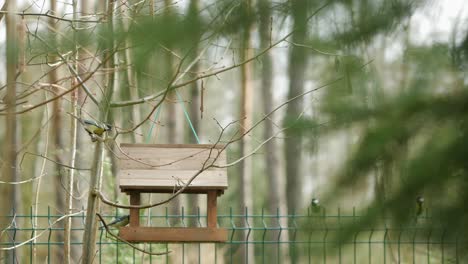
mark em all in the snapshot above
pixel 8 205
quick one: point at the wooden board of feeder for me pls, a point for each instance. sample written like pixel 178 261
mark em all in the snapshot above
pixel 173 234
pixel 167 167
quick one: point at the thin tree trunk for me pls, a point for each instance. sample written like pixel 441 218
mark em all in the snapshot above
pixel 67 250
pixel 57 128
pixel 89 237
pixel 194 97
pixel 10 173
pixel 127 87
pixel 174 133
pixel 40 166
pixel 70 181
pixel 245 115
pixel 293 142
pixel 271 159
pixel 271 148
pixel 246 102
pixel 131 77
pixel 82 146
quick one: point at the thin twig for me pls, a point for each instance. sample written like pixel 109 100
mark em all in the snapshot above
pixel 23 14
pixel 41 233
pixel 21 182
pixel 235 65
pixel 71 68
pixel 200 77
pixel 49 159
pixel 74 87
pixel 126 242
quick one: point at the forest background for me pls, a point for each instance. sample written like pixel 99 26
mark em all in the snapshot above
pixel 354 103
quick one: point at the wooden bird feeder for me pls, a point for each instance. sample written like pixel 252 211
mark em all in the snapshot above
pixel 165 168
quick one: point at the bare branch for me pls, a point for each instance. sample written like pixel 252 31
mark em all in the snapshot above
pixel 21 182
pixel 317 50
pixel 23 14
pixel 72 69
pixel 200 77
pixel 287 102
pixel 3 10
pixel 49 159
pixel 40 233
pixel 235 65
pixel 164 95
pixel 74 87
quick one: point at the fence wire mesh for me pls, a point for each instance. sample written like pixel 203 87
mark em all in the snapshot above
pixel 253 238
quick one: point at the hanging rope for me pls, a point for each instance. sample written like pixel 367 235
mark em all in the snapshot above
pixel 188 117
pixel 156 118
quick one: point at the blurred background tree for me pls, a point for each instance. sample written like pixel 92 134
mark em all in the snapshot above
pixel 406 118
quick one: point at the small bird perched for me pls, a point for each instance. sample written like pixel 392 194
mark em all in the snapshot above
pixel 118 222
pixel 420 202
pixel 316 208
pixel 95 129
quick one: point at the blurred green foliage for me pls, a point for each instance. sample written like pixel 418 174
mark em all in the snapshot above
pixel 412 136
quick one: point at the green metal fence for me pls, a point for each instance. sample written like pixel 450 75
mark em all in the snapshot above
pixel 253 238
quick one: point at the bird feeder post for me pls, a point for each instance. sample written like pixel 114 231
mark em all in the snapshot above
pixel 134 212
pixel 211 215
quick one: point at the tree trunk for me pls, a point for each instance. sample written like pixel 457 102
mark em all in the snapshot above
pixel 57 128
pixel 292 143
pixel 82 142
pixel 173 118
pixel 271 149
pixel 194 97
pixel 95 183
pixel 271 159
pixel 8 204
pixel 245 115
pixel 74 142
pixel 131 77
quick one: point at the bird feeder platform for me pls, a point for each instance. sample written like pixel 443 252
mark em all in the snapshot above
pixel 166 168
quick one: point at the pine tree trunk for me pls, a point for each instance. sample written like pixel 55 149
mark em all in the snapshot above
pixel 271 159
pixel 292 143
pixel 271 149
pixel 246 102
pixel 195 114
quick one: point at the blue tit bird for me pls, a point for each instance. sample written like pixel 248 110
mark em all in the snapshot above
pixel 419 202
pixel 316 208
pixel 95 129
pixel 120 221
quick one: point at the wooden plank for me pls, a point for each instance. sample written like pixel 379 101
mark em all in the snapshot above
pixel 170 158
pixel 171 189
pixel 134 213
pixel 169 164
pixel 128 178
pixel 173 235
pixel 152 189
pixel 177 152
pixel 211 218
pixel 203 146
